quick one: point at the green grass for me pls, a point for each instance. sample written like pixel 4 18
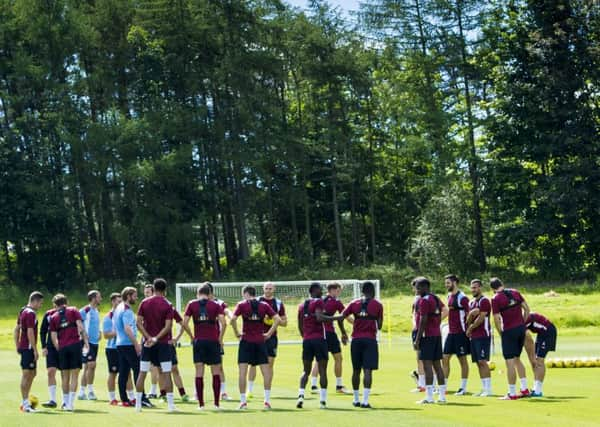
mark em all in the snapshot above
pixel 569 401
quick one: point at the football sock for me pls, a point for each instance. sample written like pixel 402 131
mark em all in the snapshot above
pixel 443 391
pixel 421 381
pixel 138 400
pixel 223 388
pixel 356 395
pixel 112 396
pixel 170 400
pixel 313 381
pixel 268 396
pixel 250 386
pixel 429 392
pixel 537 386
pixel 200 390
pixel 512 389
pixel 181 391
pixel 153 389
pixel 523 383
pixel 301 392
pixel 366 393
pixel 338 382
pixel 90 388
pixel 216 386
pixel 242 397
pixel 52 392
pixel 463 383
pixel 323 394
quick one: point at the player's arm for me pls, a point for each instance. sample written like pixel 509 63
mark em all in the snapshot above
pixel 477 322
pixel 273 328
pixel 129 330
pixel 31 338
pixel 168 327
pixel 420 330
pixel 222 326
pixel 17 335
pixel 235 327
pixel 148 342
pixel 54 338
pixel 525 309
pixel 445 312
pixel 109 332
pixel 185 325
pixel 83 334
pixel 44 335
pixel 380 320
pixel 300 323
pixel 498 322
pixel 320 316
pixel 340 323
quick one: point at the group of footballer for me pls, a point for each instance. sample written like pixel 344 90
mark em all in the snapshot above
pixel 69 340
pixel 470 333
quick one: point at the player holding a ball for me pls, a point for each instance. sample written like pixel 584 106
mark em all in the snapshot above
pixel 479 330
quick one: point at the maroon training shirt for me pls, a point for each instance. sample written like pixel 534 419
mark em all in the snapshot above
pixel 66 326
pixel 156 310
pixel 311 328
pixel 330 308
pixel 537 323
pixel 509 309
pixel 458 305
pixel 483 304
pixel 252 329
pixel 365 322
pixel 277 306
pixel 27 319
pixel 207 326
pixel 431 306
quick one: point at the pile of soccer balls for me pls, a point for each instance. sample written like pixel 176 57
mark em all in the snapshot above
pixel 574 362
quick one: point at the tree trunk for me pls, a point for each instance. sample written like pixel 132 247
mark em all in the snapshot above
pixel 336 217
pixel 213 244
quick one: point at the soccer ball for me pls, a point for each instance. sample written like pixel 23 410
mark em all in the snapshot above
pixel 570 363
pixel 579 364
pixel 492 365
pixel 268 321
pixel 33 401
pixel 559 363
pixel 588 363
pixel 550 363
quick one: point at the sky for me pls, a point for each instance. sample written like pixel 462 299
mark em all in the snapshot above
pixel 346 5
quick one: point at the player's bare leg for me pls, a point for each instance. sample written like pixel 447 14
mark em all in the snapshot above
pixel 65 377
pixel 464 374
pixel 26 382
pixel 306 368
pixel 178 382
pixel 267 373
pixel 243 373
pixel 439 372
pixel 154 388
pixel 511 376
pixel 520 368
pixel 51 372
pixel 251 379
pixel 539 374
pixel 314 374
pixel 446 365
pixel 89 375
pixel 485 375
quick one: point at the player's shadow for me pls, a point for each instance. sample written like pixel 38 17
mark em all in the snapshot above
pixel 88 411
pixel 557 399
pixel 463 404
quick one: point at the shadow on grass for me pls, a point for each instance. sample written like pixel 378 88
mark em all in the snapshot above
pixel 88 411
pixel 462 404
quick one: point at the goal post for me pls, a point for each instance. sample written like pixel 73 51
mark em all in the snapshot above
pixel 291 293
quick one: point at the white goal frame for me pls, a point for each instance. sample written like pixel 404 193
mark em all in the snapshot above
pixel 355 283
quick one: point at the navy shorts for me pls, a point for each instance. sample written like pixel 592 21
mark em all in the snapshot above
pixel 252 353
pixel 480 349
pixel 92 354
pixel 174 359
pixel 430 348
pixel 112 360
pixel 364 353
pixel 207 352
pixel 69 357
pixel 157 354
pixel 27 359
pixel 314 349
pixel 272 346
pixel 457 344
pixel 512 342
pixel 333 343
pixel 51 358
pixel 545 342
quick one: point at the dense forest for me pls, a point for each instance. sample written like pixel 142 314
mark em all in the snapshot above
pixel 209 138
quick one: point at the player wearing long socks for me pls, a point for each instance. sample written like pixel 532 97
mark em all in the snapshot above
pixel 91 322
pixel 51 355
pixel 209 326
pixel 367 320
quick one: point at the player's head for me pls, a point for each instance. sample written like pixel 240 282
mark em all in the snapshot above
pixel 451 282
pixel 496 284
pixel 269 290
pixel 94 297
pixel 59 300
pixel 211 290
pixel 315 290
pixel 368 289
pixel 476 287
pixel 148 290
pixel 36 299
pixel 129 295
pixel 334 289
pixel 160 286
pixel 204 291
pixel 115 299
pixel 422 285
pixel 249 292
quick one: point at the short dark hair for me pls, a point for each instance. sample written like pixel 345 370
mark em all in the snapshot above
pixel 368 289
pixel 313 286
pixel 59 299
pixel 92 294
pixel 452 277
pixel 421 281
pixel 149 286
pixel 476 281
pixel 333 285
pixel 160 284
pixel 495 283
pixel 211 287
pixel 36 296
pixel 250 290
pixel 204 290
pixel 114 295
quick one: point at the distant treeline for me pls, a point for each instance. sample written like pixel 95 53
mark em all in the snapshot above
pixel 198 138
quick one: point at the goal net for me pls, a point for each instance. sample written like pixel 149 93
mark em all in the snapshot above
pixel 291 293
